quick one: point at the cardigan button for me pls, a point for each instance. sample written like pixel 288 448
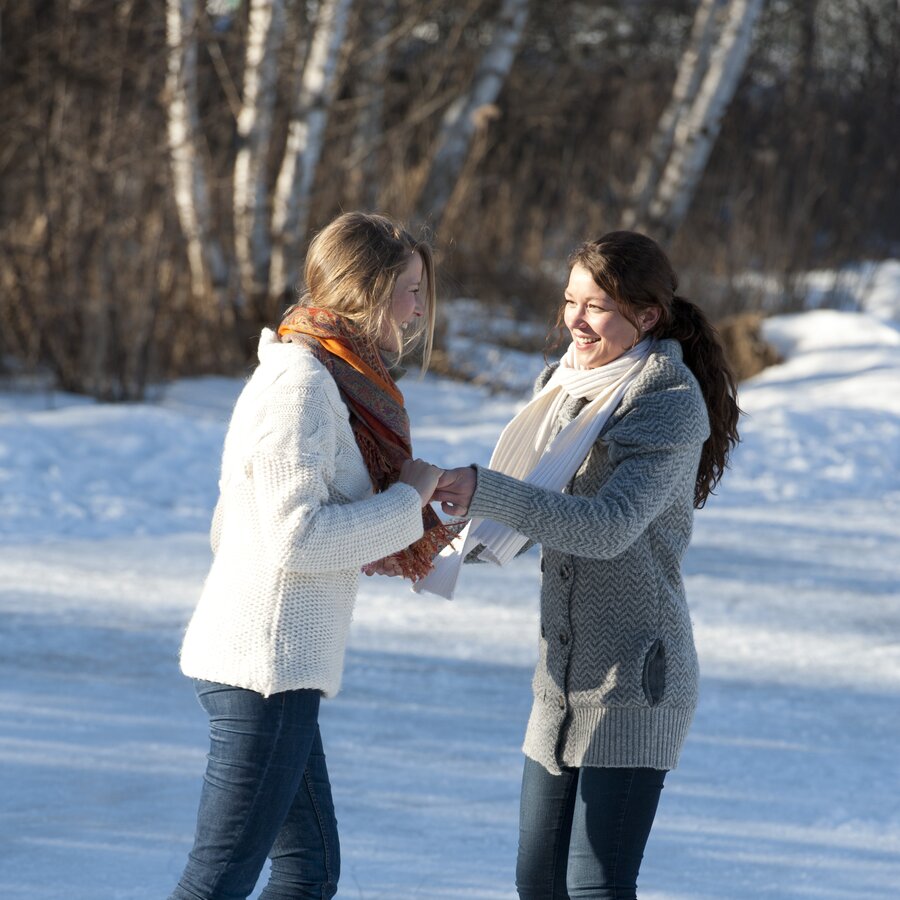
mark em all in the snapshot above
pixel 561 701
pixel 542 630
pixel 565 572
pixel 563 638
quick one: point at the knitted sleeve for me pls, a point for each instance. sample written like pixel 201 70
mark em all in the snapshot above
pixel 306 527
pixel 654 450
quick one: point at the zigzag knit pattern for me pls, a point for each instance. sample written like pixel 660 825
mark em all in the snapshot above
pixel 296 519
pixel 616 679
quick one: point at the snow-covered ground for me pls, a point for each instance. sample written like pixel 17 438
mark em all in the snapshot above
pixel 790 779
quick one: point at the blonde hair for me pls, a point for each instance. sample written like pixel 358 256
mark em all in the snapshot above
pixel 352 266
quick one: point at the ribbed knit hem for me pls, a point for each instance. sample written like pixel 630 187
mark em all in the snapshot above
pixel 328 684
pixel 501 498
pixel 610 737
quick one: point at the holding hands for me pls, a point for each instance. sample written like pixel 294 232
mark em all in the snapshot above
pixel 422 476
pixel 452 488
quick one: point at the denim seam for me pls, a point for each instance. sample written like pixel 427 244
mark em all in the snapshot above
pixel 261 780
pixel 573 788
pixel 322 829
pixel 619 837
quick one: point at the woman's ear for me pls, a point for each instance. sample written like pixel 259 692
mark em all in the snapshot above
pixel 649 318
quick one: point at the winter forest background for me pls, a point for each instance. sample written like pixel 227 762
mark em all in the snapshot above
pixel 164 164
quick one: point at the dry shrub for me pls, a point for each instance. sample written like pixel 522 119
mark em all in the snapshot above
pixel 745 347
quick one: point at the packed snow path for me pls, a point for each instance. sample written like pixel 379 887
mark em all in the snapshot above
pixel 789 781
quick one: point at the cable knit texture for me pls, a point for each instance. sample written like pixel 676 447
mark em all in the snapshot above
pixel 617 676
pixel 296 519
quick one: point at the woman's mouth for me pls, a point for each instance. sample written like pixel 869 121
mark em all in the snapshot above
pixel 584 341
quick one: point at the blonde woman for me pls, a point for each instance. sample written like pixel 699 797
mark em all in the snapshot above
pixel 317 481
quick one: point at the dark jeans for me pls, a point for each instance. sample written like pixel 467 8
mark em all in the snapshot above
pixel 582 834
pixel 266 793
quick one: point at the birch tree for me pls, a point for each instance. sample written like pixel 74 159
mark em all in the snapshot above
pixel 460 121
pixel 268 231
pixel 697 121
pixel 265 34
pixel 693 64
pixel 293 188
pixel 206 259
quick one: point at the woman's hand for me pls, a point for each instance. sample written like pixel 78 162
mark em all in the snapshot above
pixel 455 489
pixel 390 566
pixel 422 476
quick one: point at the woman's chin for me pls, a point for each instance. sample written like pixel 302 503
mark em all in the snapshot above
pixel 388 345
pixel 588 357
pixel 593 359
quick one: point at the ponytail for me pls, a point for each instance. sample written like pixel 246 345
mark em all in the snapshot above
pixel 705 357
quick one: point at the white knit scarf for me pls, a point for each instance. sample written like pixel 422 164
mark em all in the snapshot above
pixel 526 451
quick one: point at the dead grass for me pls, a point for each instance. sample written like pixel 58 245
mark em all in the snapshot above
pixel 745 347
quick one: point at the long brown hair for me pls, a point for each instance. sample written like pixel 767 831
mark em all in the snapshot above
pixel 352 266
pixel 635 272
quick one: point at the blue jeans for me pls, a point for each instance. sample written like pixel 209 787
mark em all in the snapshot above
pixel 266 793
pixel 582 833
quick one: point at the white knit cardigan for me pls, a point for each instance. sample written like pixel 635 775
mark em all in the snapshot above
pixel 296 519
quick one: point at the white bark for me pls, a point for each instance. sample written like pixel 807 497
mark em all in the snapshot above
pixel 205 256
pixel 293 189
pixel 461 118
pixel 253 247
pixel 691 69
pixel 696 132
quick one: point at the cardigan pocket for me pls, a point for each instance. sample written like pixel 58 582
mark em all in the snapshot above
pixel 654 675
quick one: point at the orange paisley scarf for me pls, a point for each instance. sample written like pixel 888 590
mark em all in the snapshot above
pixel 377 416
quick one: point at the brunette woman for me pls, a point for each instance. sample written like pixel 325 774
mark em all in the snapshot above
pixel 604 468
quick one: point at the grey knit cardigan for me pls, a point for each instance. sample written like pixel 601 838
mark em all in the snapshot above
pixel 616 679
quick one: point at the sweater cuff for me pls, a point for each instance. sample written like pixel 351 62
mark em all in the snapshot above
pixel 501 498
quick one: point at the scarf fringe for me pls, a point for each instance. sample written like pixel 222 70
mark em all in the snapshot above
pixel 417 560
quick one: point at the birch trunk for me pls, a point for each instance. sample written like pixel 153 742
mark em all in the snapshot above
pixel 697 131
pixel 461 118
pixel 691 68
pixel 293 189
pixel 205 256
pixel 253 247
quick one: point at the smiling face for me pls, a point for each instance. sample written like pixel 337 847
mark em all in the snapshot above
pixel 406 302
pixel 600 332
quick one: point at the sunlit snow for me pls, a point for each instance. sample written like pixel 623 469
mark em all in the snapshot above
pixel 788 785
